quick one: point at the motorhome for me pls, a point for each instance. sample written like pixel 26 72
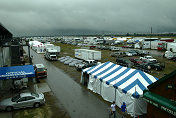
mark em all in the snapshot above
pixel 52 53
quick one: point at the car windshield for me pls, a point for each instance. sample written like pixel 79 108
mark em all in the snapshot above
pixel 35 94
pixel 149 57
pixel 40 69
pixel 53 53
pixel 15 98
pixel 53 56
pixel 138 60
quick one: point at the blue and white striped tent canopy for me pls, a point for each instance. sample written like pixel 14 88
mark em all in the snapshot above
pixel 128 80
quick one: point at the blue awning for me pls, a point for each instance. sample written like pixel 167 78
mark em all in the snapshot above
pixel 14 72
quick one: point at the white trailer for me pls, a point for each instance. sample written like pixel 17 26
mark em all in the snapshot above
pixel 171 47
pixel 57 48
pixel 86 54
pixel 146 45
pixel 78 53
pixel 94 55
pixel 154 44
pixel 49 45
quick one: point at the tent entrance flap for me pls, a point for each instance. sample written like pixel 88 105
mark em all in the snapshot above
pixel 14 72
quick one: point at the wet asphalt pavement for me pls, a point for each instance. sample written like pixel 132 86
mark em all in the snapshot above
pixel 77 100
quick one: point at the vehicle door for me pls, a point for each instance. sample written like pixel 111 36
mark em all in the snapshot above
pixel 20 103
pixel 30 100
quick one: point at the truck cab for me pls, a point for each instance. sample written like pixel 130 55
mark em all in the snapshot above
pixel 40 71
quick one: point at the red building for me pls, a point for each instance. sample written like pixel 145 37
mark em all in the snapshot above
pixel 161 97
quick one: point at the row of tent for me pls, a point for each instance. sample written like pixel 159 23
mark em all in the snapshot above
pixel 120 84
pixel 40 47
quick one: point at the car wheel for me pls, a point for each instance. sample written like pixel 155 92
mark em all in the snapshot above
pixel 9 108
pixel 36 105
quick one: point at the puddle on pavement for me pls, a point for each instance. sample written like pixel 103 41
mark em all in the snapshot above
pixel 42 88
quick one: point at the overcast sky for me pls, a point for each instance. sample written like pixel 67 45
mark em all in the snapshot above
pixel 35 17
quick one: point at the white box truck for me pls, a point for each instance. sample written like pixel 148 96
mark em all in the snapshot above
pixel 86 54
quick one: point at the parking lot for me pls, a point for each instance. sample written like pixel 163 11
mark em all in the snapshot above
pixel 68 50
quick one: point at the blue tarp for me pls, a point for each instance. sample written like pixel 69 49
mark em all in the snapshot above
pixel 14 72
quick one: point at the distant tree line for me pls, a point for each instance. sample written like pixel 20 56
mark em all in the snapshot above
pixel 134 35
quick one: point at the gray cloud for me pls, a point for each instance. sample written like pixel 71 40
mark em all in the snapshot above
pixel 35 17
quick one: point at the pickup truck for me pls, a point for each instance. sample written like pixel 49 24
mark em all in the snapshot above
pixel 85 64
pixel 40 71
pixel 148 58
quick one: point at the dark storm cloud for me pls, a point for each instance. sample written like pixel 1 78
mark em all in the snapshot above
pixel 27 17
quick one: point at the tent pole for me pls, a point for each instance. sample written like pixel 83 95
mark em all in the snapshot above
pixel 81 81
pixel 135 102
pixel 100 87
pixel 115 94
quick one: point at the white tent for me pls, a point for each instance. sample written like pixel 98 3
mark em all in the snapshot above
pixel 37 46
pixel 120 84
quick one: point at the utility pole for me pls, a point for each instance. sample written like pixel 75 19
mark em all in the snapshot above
pixel 150 36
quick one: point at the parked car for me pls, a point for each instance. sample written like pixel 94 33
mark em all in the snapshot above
pixel 74 63
pixel 61 58
pixel 124 62
pixel 125 46
pixel 136 61
pixel 68 61
pixel 65 59
pixel 155 65
pixel 22 100
pixel 113 48
pixel 128 54
pixel 133 52
pixel 85 64
pixel 173 58
pixel 40 70
pixel 117 54
pixel 149 58
pixel 143 67
pixel 140 52
pixel 104 47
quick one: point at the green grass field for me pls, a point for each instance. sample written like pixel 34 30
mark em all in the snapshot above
pixel 68 50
